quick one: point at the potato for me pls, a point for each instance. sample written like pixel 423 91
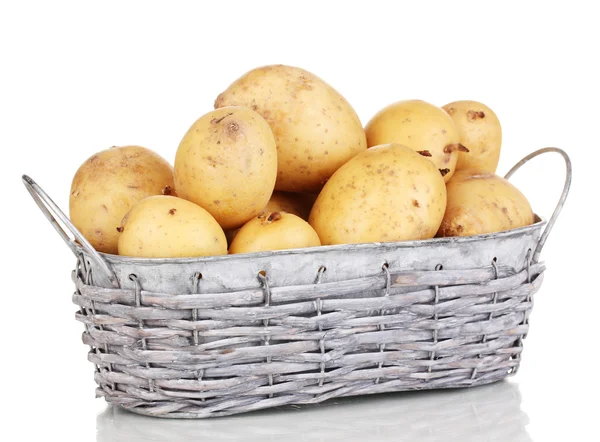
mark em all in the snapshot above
pixel 479 131
pixel 227 164
pixel 422 127
pixel 388 193
pixel 481 202
pixel 108 184
pixel 295 203
pixel 298 204
pixel 274 231
pixel 315 128
pixel 170 227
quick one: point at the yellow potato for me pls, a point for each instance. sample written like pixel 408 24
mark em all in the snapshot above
pixel 422 127
pixel 481 202
pixel 227 164
pixel 274 231
pixel 315 128
pixel 298 204
pixel 295 203
pixel 388 193
pixel 170 227
pixel 108 184
pixel 480 132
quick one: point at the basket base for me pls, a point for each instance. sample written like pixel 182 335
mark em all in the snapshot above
pixel 281 403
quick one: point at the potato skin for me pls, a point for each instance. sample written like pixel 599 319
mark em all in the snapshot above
pixel 108 184
pixel 482 202
pixel 227 164
pixel 422 127
pixel 388 193
pixel 315 128
pixel 170 227
pixel 479 131
pixel 274 231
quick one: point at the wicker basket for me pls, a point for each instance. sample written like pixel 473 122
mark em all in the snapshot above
pixel 201 337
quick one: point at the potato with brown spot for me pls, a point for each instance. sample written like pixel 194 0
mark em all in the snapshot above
pixel 315 128
pixel 298 204
pixel 421 126
pixel 274 231
pixel 170 227
pixel 295 203
pixel 388 193
pixel 482 202
pixel 108 184
pixel 479 131
pixel 227 164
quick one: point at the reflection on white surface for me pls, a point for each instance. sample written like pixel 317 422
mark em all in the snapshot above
pixel 487 413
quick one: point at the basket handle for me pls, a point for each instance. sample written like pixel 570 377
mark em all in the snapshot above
pixel 563 196
pixel 52 212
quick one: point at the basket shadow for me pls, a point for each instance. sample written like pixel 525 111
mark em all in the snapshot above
pixel 489 412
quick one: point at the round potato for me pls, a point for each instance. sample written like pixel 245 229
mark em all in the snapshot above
pixel 479 131
pixel 108 184
pixel 295 203
pixel 388 193
pixel 170 227
pixel 482 202
pixel 422 127
pixel 298 204
pixel 227 164
pixel 315 128
pixel 274 231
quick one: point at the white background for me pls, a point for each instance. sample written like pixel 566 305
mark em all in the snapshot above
pixel 79 77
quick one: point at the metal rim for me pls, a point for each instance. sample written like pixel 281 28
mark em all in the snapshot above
pixel 119 259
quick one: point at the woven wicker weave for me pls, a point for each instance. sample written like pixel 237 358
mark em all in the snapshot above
pixel 217 336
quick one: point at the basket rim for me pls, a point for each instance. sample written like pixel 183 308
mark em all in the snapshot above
pixel 120 259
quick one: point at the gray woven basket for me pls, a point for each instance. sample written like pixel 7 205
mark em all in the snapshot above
pixel 201 337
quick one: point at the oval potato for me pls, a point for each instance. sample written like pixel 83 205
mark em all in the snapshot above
pixel 227 164
pixel 388 193
pixel 482 202
pixel 274 231
pixel 170 227
pixel 315 128
pixel 422 127
pixel 479 131
pixel 108 184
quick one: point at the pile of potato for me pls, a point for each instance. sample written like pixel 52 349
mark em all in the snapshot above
pixel 284 162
